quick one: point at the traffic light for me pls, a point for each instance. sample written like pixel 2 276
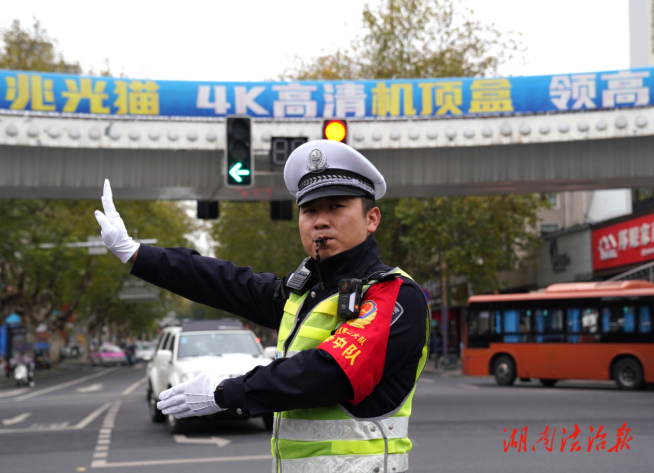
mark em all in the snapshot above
pixel 281 149
pixel 239 163
pixel 208 209
pixel 335 130
pixel 281 210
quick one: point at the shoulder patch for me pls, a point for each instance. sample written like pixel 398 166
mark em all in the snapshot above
pixel 398 310
pixel 367 314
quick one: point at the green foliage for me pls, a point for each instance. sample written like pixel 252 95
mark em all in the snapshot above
pixel 414 39
pixel 474 236
pixel 248 237
pixel 166 221
pixel 389 234
pixel 32 50
pixel 35 281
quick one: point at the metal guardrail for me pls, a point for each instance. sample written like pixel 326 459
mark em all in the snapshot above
pixel 644 272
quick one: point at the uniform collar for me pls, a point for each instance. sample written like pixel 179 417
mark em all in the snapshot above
pixel 349 263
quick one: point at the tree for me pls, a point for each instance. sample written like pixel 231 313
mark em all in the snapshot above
pixel 414 39
pixel 247 236
pixel 101 305
pixel 36 268
pixel 45 281
pixel 32 50
pixel 472 236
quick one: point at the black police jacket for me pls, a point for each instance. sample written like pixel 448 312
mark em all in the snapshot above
pixel 311 378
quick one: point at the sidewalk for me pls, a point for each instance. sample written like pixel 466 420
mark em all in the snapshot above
pixel 454 369
pixel 65 365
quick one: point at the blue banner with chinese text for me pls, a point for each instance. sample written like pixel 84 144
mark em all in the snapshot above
pixel 404 98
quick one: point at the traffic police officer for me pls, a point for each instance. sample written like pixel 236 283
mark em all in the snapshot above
pixel 352 332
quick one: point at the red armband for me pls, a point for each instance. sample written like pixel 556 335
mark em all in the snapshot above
pixel 359 345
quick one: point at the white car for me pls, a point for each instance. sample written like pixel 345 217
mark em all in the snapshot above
pixel 144 351
pixel 220 345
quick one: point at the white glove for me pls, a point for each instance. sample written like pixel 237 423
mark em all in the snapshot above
pixel 194 397
pixel 114 233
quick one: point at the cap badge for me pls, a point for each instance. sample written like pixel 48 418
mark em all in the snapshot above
pixel 317 161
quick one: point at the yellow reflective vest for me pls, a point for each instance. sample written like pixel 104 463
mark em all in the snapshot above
pixel 330 439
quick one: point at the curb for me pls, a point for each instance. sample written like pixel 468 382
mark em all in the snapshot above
pixel 442 372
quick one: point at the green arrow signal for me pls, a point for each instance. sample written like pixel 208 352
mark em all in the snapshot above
pixel 236 172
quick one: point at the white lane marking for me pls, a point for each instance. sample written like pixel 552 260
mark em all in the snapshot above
pixel 425 380
pixel 17 420
pixel 138 367
pixel 181 461
pixel 134 386
pixel 61 426
pixel 91 389
pixel 104 438
pixel 93 415
pixel 210 441
pixel 64 385
pixel 13 392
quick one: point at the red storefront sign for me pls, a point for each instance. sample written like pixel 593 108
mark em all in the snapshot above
pixel 625 243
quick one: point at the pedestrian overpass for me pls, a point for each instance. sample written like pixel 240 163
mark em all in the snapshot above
pixel 61 135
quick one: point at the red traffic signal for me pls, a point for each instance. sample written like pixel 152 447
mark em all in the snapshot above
pixel 335 130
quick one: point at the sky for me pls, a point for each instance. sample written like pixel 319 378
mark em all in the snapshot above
pixel 255 40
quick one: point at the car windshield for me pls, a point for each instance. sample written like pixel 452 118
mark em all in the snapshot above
pixel 216 344
pixel 111 348
pixel 145 347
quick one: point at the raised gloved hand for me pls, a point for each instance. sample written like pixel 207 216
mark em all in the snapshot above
pixel 194 397
pixel 114 233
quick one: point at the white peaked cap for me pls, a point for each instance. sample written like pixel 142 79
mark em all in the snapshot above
pixel 324 168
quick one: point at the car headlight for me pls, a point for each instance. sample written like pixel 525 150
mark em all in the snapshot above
pixel 186 376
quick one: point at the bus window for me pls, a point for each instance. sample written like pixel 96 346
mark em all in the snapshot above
pixel 619 319
pixel 629 314
pixel 473 325
pixel 481 328
pixel 574 324
pixel 583 325
pixel 484 322
pixel 496 322
pixel 549 322
pixel 645 322
pixel 517 325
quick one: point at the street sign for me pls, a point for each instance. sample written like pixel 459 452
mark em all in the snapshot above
pixel 239 162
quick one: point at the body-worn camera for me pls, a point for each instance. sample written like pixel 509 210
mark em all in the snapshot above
pixel 300 280
pixel 349 298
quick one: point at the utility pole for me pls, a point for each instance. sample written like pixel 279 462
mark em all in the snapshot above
pixel 445 324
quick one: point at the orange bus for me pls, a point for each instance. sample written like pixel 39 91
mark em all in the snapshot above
pixel 571 331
